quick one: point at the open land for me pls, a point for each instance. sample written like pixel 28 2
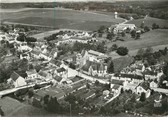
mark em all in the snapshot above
pixel 149 21
pixel 156 39
pixel 60 18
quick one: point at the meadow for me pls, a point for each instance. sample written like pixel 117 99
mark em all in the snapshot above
pixel 156 39
pixel 149 21
pixel 61 18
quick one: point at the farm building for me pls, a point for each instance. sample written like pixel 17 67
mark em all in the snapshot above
pixel 122 27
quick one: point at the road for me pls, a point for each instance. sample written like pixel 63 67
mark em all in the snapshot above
pixel 161 90
pixel 8 91
pixel 72 72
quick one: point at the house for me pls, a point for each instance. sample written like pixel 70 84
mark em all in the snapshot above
pixel 35 54
pixel 25 56
pixel 61 71
pixel 23 47
pixel 129 86
pixel 47 75
pixel 32 74
pixel 154 84
pixel 16 80
pixel 116 89
pixel 143 88
pixel 45 56
pixel 58 79
pixel 117 82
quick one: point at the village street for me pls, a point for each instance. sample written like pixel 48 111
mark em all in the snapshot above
pixel 72 72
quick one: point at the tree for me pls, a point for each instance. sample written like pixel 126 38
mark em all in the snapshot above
pixel 106 86
pixel 123 34
pixel 110 68
pixel 142 25
pixel 133 33
pixel 1 112
pixel 138 35
pixel 110 36
pixel 97 83
pixel 70 98
pixel 4 29
pixel 101 29
pixel 143 97
pixel 3 52
pixel 155 26
pixel 46 99
pixel 30 92
pixel 165 70
pixel 149 50
pixel 146 29
pixel 21 37
pixel 88 86
pixel 140 52
pixel 122 51
pixel 31 39
pixel 114 47
pixel 53 105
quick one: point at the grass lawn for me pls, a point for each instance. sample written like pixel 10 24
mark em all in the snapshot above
pixel 149 21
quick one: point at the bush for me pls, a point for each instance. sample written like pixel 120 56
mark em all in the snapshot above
pixel 122 51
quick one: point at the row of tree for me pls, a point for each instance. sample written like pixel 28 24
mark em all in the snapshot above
pixel 23 38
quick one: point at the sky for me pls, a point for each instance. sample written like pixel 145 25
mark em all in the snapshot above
pixel 10 1
pixel 15 1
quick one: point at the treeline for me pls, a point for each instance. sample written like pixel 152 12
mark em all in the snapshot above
pixel 150 57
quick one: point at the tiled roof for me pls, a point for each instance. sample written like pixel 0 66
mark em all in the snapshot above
pixel 61 70
pixel 14 76
pixel 35 52
pixel 42 73
pixel 58 78
pixel 144 85
pixel 116 86
pixel 32 71
pixel 118 82
pixel 132 76
pixel 76 78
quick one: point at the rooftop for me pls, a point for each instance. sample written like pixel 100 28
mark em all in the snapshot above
pixel 31 71
pixel 14 76
pixel 118 82
pixel 95 53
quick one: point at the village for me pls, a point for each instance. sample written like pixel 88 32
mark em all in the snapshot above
pixel 44 70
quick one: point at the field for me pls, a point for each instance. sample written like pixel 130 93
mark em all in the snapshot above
pixel 156 38
pixel 60 18
pixel 149 21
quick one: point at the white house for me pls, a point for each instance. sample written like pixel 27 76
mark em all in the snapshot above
pixel 32 74
pixel 154 84
pixel 16 80
pixel 116 89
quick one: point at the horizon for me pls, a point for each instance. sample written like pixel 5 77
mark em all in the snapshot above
pixel 34 1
